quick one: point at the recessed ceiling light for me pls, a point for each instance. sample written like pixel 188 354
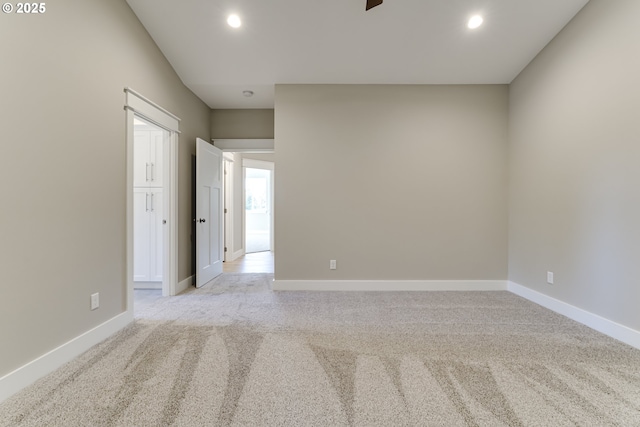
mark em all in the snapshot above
pixel 475 22
pixel 234 21
pixel 247 93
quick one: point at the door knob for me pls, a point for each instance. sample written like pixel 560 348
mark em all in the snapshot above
pixel 202 220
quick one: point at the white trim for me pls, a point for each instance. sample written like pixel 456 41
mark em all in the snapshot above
pixel 147 285
pixel 129 213
pixel 389 285
pixel 245 145
pixel 172 241
pixel 183 285
pixel 272 232
pixel 600 324
pixel 49 362
pixel 150 120
pixel 237 254
pixel 141 104
pixel 229 171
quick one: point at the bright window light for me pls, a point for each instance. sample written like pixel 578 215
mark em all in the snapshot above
pixel 475 22
pixel 234 21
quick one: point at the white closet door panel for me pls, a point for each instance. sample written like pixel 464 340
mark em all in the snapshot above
pixel 156 157
pixel 141 235
pixel 141 160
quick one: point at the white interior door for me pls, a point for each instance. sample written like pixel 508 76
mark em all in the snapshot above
pixel 141 235
pixel 209 212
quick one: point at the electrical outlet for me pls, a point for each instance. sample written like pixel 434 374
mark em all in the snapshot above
pixel 550 277
pixel 95 301
pixel 332 264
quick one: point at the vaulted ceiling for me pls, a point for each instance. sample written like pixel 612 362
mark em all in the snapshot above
pixel 338 42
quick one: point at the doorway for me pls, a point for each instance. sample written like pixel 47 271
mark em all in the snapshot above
pixel 257 209
pixel 249 220
pixel 149 142
pixel 152 157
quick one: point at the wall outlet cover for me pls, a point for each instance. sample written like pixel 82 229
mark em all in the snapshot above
pixel 95 301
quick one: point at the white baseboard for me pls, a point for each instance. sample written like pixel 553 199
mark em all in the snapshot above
pixel 389 285
pixel 237 254
pixel 600 324
pixel 147 285
pixel 183 285
pixel 49 362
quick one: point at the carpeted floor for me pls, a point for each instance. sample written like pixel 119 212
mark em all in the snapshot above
pixel 235 353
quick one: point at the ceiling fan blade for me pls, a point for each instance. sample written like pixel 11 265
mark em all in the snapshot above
pixel 373 3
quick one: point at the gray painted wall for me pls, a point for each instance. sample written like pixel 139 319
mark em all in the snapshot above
pixel 394 182
pixel 574 165
pixel 62 167
pixel 242 124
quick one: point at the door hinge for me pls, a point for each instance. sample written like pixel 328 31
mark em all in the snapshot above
pixel 225 210
pixel 225 249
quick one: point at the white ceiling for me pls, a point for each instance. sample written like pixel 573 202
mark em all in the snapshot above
pixel 336 41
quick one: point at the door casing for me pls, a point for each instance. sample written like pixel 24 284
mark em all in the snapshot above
pixel 138 105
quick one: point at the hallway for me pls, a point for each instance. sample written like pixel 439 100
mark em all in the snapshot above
pixel 258 262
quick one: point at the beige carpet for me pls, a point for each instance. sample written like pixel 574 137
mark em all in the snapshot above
pixel 235 353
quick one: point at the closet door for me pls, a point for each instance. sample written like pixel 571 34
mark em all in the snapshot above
pixel 148 229
pixel 141 235
pixel 141 158
pixel 156 158
pixel 148 158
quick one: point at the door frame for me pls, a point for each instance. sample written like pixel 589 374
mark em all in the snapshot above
pixel 138 105
pixel 228 161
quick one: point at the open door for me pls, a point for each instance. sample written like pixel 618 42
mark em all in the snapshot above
pixel 209 212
